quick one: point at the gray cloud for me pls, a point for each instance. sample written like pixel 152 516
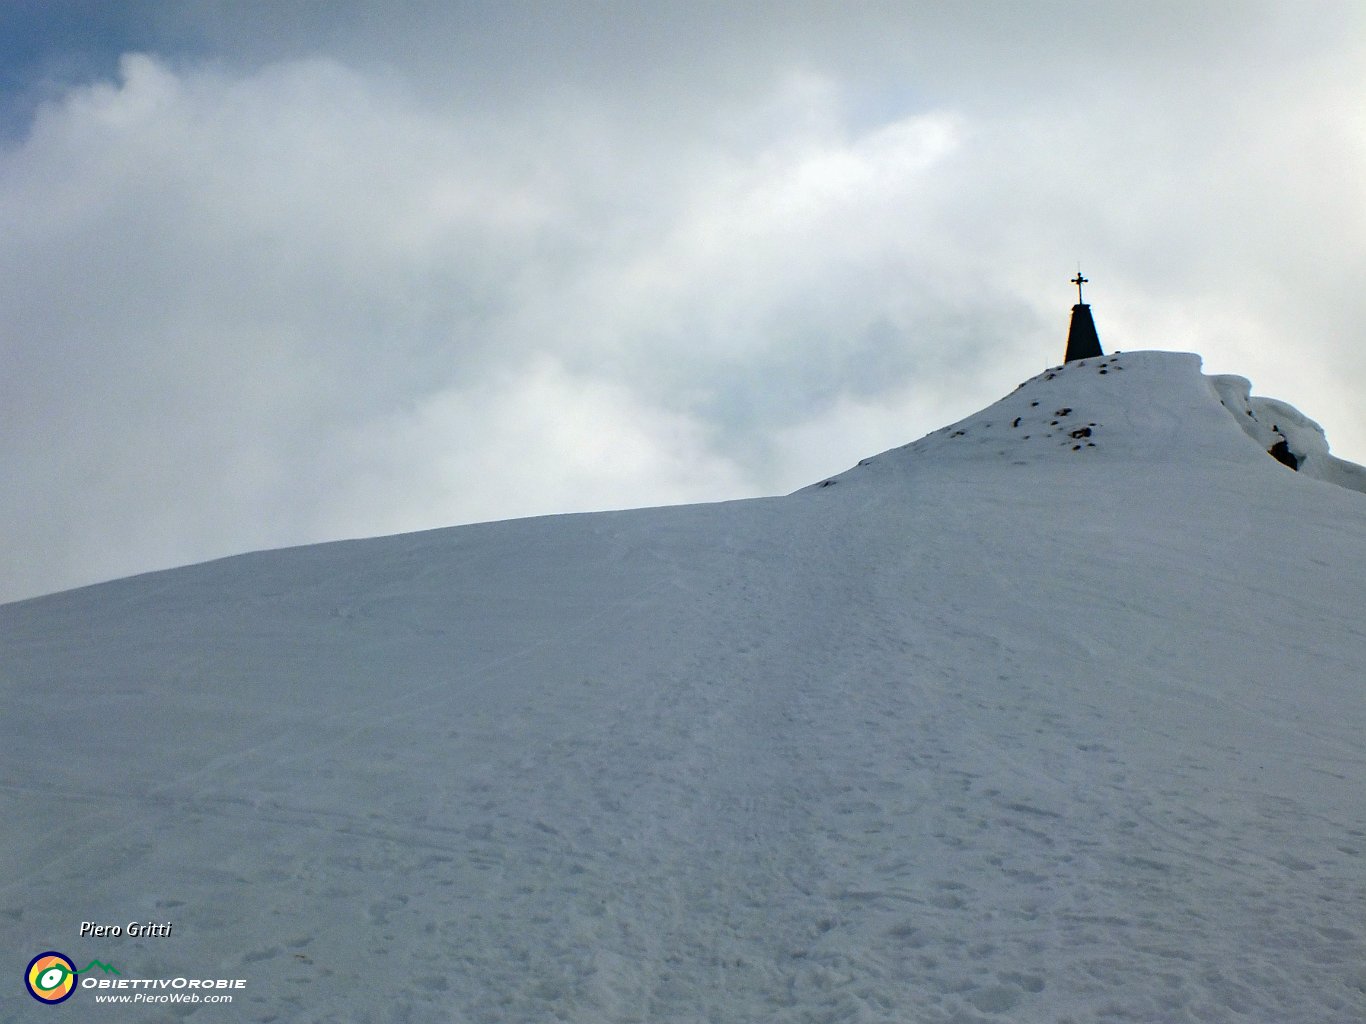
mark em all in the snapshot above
pixel 317 272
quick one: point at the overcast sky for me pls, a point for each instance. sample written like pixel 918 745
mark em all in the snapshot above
pixel 274 272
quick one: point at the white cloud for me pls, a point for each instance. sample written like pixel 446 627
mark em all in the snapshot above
pixel 252 302
pixel 241 300
pixel 535 437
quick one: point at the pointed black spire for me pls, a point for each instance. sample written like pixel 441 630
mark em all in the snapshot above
pixel 1082 340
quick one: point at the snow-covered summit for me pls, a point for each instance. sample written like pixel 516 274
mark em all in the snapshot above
pixel 1132 407
pixel 1017 722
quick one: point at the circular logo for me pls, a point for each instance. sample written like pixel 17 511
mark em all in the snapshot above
pixel 50 977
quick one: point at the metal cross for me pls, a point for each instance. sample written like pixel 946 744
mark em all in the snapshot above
pixel 1079 281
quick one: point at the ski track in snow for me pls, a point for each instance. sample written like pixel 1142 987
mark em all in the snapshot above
pixel 982 733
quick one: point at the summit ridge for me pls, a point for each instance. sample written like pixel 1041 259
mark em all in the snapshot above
pixel 1138 407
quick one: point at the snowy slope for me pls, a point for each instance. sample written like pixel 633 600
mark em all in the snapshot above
pixel 1005 725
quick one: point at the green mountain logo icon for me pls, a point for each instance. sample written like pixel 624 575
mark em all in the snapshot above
pixel 102 966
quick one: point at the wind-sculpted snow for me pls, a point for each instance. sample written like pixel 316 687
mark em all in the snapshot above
pixel 1006 725
pixel 1277 425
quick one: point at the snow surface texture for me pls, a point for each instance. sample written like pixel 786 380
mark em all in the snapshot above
pixel 1055 715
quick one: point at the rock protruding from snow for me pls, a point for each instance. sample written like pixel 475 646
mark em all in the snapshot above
pixel 1286 433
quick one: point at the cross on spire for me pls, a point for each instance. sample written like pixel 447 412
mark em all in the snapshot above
pixel 1079 281
pixel 1082 340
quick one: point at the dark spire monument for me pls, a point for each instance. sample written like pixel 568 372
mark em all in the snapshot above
pixel 1082 340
